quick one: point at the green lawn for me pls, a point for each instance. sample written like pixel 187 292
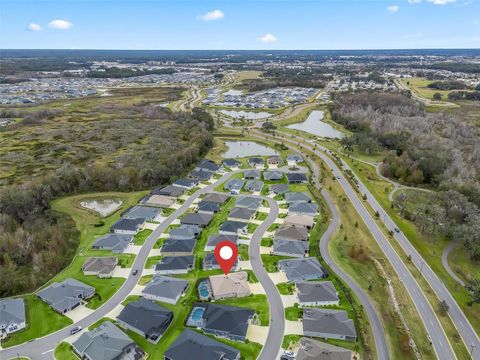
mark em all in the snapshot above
pixel 293 313
pixel 243 252
pixel 286 288
pixel 267 242
pixel 41 320
pixel 64 351
pixel 152 261
pixel 261 216
pixel 140 238
pixel 270 262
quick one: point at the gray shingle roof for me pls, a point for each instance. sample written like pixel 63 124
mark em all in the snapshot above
pixel 292 247
pixel 101 265
pixel 184 232
pixel 303 208
pixel 326 321
pixel 201 175
pixel 201 219
pixel 171 190
pixel 165 287
pixel 296 177
pixel 313 291
pixel 254 185
pixel 297 196
pixel 208 206
pixel 316 350
pixel 115 242
pixel 127 224
pixel 185 182
pixel 231 162
pixel 176 263
pixel 232 226
pixel 66 294
pixel 272 175
pixel 12 311
pixel 208 165
pixel 252 174
pixel 302 269
pixel 142 212
pixel 180 246
pixel 248 202
pixel 234 184
pixel 279 188
pixel 215 197
pixel 241 213
pixel 291 233
pixel 215 239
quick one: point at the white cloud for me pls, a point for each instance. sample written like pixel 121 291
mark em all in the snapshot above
pixel 34 27
pixel 60 24
pixel 414 1
pixel 267 39
pixel 212 15
pixel 441 2
pixel 393 8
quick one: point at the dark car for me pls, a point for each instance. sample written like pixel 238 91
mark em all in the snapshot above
pixel 134 272
pixel 397 230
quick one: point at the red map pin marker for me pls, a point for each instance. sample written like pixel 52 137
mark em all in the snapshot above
pixel 226 253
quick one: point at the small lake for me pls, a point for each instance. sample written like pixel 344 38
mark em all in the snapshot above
pixel 103 207
pixel 232 92
pixel 314 125
pixel 247 148
pixel 249 115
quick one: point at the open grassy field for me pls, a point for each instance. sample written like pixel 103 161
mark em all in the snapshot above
pixel 420 87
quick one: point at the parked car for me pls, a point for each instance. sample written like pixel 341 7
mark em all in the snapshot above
pixel 75 330
pixel 134 272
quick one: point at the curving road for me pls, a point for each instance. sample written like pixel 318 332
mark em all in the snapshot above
pixel 446 265
pixel 42 348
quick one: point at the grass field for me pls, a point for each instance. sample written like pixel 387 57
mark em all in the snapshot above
pixel 420 87
pixel 64 351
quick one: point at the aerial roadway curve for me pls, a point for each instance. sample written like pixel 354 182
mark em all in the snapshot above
pixel 43 348
pixel 464 327
pixel 440 343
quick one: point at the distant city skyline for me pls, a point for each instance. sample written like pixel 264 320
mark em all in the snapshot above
pixel 247 24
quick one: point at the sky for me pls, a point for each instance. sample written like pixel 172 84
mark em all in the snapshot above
pixel 239 24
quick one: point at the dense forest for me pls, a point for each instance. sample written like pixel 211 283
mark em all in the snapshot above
pixel 435 150
pixel 135 147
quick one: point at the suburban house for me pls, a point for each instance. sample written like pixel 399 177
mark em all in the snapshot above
pixel 302 269
pixel 254 185
pixel 229 322
pixel 232 164
pixel 216 198
pixel 210 263
pixel 175 265
pixel 117 243
pixel 256 162
pixel 170 190
pixel 273 175
pixel 145 318
pixel 303 209
pixel 328 324
pixel 297 178
pixel 314 293
pixel 304 221
pixel 198 219
pixel 184 232
pixel 274 161
pixel 278 189
pixel 192 345
pixel 165 289
pixel 297 197
pixel 208 166
pixel 176 247
pixel 160 201
pixel 248 202
pixel 252 174
pixel 234 185
pixel 233 228
pixel 106 342
pixel 66 295
pixel 185 183
pixel 291 233
pixel 148 213
pixel 101 267
pixel 233 285
pixel 127 226
pixel 201 175
pixel 294 159
pixel 293 248
pixel 208 207
pixel 316 350
pixel 12 316
pixel 241 214
pixel 214 239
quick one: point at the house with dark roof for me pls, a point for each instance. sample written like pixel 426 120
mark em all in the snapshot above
pixel 199 219
pixel 210 263
pixel 165 289
pixel 314 293
pixel 291 233
pixel 145 318
pixel 248 202
pixel 175 265
pixel 101 267
pixel 216 198
pixel 208 207
pixel 214 239
pixel 254 186
pixel 241 214
pixel 225 321
pixel 328 324
pixel 66 295
pixel 273 175
pixel 117 243
pixel 232 164
pixel 311 349
pixel 297 178
pixel 294 159
pixel 148 213
pixel 175 247
pixel 233 228
pixel 127 226
pixel 297 197
pixel 204 348
pixel 107 342
pixel 252 174
pixel 12 316
pixel 170 190
pixel 201 175
pixel 184 232
pixel 185 183
pixel 256 162
pixel 278 189
pixel 208 166
pixel 302 269
pixel 293 248
pixel 234 185
pixel 303 209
